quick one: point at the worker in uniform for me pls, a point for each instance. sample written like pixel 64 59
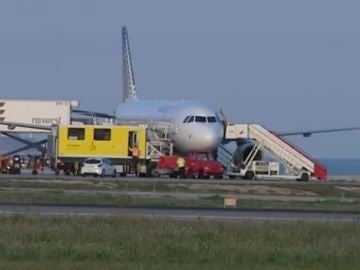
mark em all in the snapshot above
pixel 135 152
pixel 76 168
pixel 181 166
pixel 35 166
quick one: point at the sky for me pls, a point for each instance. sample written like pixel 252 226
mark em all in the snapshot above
pixel 288 65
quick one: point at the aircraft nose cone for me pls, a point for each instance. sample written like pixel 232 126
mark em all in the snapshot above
pixel 205 139
pixel 210 139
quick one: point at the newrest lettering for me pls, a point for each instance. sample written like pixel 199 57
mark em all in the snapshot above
pixel 46 121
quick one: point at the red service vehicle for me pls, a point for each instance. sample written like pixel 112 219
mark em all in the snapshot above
pixel 197 165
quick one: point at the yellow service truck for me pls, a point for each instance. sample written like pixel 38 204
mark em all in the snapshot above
pixel 72 144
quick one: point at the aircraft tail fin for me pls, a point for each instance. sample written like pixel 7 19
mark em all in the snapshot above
pixel 128 74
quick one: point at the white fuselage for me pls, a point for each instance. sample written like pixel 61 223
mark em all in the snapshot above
pixel 195 127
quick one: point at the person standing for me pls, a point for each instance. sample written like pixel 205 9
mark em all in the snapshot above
pixel 181 166
pixel 76 167
pixel 135 152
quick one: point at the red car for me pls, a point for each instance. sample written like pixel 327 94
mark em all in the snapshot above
pixel 198 165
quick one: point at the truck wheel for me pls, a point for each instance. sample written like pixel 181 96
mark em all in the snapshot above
pixel 151 170
pixel 154 173
pixel 304 177
pixel 249 175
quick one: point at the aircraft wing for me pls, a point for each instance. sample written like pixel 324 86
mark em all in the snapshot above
pixel 13 125
pixel 308 133
pixel 94 114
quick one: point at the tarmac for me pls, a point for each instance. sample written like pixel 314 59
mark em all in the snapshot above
pixel 48 174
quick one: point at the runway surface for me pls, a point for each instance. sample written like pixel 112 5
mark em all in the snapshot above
pixel 224 214
pixel 49 175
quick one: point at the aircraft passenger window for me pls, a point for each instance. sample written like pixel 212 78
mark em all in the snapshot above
pixel 200 119
pixel 211 119
pixel 191 119
pixel 76 134
pixel 102 134
pixel 186 119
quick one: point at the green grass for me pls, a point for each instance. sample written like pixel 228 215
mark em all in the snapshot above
pixel 118 243
pixel 319 189
pixel 54 197
pixel 103 199
pixel 111 192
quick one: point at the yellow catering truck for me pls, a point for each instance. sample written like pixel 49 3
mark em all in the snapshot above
pixel 74 143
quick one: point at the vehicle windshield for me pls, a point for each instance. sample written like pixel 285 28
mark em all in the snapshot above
pixel 200 156
pixel 92 161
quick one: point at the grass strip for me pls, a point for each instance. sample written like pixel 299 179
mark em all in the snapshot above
pixel 118 243
pixel 57 197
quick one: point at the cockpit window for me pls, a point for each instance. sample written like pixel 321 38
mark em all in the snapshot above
pixel 186 119
pixel 200 119
pixel 211 119
pixel 217 117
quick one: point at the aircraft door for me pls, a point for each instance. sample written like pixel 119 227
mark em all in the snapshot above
pixel 133 140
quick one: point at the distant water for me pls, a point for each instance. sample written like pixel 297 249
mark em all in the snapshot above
pixel 341 166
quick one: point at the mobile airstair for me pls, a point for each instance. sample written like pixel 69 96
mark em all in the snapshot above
pixel 298 164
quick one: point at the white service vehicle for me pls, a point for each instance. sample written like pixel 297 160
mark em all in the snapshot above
pixel 98 167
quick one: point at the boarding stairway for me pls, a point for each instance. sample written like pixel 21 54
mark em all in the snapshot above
pixel 297 162
pixel 224 156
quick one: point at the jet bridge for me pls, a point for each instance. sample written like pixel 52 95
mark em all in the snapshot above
pixel 298 164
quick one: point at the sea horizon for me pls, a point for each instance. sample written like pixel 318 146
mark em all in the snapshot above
pixel 341 166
